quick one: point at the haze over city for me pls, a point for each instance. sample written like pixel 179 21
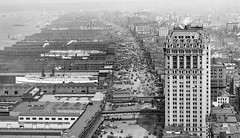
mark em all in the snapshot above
pixel 164 6
pixel 119 68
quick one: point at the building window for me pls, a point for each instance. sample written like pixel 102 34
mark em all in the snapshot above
pixel 21 118
pixel 181 59
pixel 174 61
pixel 188 61
pixel 34 118
pixel 195 62
pixel 59 118
pixel 53 118
pixel 46 118
pixel 65 118
pixel 15 92
pixel 40 118
pixel 72 118
pixel 27 118
pixel 6 92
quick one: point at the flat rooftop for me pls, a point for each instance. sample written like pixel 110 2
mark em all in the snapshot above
pixel 52 85
pixel 73 98
pixel 222 111
pixel 79 126
pixel 232 129
pixel 49 108
pixel 69 73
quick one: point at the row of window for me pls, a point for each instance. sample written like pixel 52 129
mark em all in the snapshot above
pixel 187 116
pixel 187 77
pixel 187 37
pixel 176 43
pixel 187 120
pixel 188 91
pixel 45 118
pixel 188 61
pixel 186 51
pixel 187 82
pixel 215 70
pixel 188 112
pixel 187 95
pixel 187 107
pixel 15 92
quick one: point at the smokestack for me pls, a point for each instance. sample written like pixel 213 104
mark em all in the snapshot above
pixel 53 72
pixel 43 75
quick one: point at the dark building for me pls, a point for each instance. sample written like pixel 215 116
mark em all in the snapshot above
pixel 218 80
pixel 7 79
pixel 71 88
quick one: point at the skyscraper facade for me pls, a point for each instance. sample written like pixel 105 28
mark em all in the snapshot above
pixel 187 79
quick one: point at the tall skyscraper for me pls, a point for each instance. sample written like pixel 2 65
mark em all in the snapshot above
pixel 187 79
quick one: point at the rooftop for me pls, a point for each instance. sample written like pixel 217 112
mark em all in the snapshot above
pixel 218 65
pixel 174 128
pixel 226 119
pixel 8 118
pixel 78 127
pixel 226 110
pixel 232 129
pixel 49 108
pixel 53 85
pixel 188 27
pixel 72 98
pixel 225 94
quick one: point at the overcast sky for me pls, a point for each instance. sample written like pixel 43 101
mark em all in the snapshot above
pixel 159 1
pixel 188 6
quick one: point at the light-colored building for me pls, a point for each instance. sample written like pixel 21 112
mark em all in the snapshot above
pixel 187 79
pixel 52 111
pixel 232 27
pixel 44 115
pixel 222 100
pixel 163 31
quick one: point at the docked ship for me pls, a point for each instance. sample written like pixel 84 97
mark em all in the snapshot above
pixel 56 79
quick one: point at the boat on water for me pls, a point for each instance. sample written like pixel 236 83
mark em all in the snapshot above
pixel 56 79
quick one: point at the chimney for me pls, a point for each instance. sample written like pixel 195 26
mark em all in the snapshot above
pixel 43 75
pixel 53 72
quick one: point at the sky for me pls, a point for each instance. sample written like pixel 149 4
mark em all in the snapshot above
pixel 50 1
pixel 186 6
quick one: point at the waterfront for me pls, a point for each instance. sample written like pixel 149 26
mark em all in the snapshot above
pixel 14 26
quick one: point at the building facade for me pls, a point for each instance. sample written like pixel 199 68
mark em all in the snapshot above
pixel 218 80
pixel 78 88
pixel 187 79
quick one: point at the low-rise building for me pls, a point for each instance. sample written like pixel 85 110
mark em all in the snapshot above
pixel 223 99
pixel 48 115
pixel 70 88
pixel 56 115
pixel 222 122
